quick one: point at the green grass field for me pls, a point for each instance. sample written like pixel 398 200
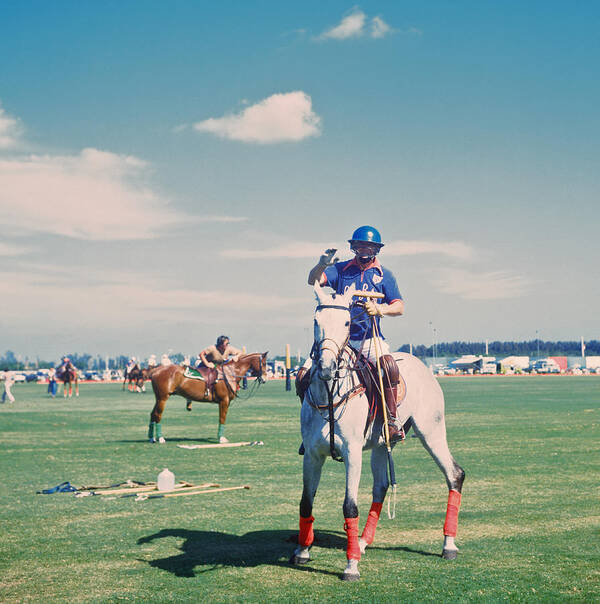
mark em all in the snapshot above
pixel 528 527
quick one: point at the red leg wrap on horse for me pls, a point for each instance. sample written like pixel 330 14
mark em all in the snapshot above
pixel 352 549
pixel 307 535
pixel 451 524
pixel 368 533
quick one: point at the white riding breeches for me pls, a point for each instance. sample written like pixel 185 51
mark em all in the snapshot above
pixel 367 349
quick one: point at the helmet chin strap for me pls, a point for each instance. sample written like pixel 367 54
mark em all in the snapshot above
pixel 366 259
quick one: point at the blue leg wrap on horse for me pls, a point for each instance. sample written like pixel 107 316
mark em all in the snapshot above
pixel 158 430
pixel 221 431
pixel 151 430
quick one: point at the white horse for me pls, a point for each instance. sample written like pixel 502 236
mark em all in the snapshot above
pixel 332 377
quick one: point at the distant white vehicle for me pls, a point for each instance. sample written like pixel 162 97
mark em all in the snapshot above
pixel 470 363
pixel 545 366
pixel 488 367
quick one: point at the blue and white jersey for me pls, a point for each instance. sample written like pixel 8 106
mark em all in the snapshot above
pixel 373 278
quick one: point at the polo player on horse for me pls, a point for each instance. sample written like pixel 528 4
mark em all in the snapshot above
pixel 218 353
pixel 367 275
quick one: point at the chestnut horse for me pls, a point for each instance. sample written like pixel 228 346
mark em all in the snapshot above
pixel 137 378
pixel 170 379
pixel 67 374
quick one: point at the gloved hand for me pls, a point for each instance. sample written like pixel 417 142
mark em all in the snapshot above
pixel 327 259
pixel 373 309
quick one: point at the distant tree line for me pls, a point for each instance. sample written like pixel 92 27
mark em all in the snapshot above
pixel 531 348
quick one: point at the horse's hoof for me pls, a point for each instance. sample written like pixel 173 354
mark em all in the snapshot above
pixel 297 560
pixel 450 554
pixel 222 440
pixel 162 440
pixel 351 572
pixel 152 440
pixel 350 576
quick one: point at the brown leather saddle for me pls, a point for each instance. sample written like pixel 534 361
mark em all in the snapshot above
pixel 206 374
pixel 369 378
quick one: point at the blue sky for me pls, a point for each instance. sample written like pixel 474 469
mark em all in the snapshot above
pixel 171 171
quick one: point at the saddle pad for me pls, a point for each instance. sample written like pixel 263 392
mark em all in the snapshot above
pixel 193 374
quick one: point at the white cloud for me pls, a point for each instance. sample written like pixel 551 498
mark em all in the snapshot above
pixel 95 195
pixel 356 25
pixel 10 130
pixel 293 249
pixel 303 249
pixel 41 292
pixel 351 26
pixel 454 249
pixel 379 28
pixel 493 285
pixel 9 249
pixel 276 119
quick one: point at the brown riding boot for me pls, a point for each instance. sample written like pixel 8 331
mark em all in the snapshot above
pixel 391 378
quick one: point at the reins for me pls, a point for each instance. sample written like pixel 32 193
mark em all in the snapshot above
pixel 257 382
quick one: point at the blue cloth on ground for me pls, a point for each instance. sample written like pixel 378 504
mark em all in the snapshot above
pixel 63 487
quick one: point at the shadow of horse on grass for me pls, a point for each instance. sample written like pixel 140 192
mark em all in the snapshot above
pixel 214 550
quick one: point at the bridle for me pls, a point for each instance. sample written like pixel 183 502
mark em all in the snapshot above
pixel 318 348
pixel 259 380
pixel 315 355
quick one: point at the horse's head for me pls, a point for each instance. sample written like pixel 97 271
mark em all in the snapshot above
pixel 258 366
pixel 332 329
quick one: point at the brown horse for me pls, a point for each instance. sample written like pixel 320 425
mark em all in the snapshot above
pixel 67 374
pixel 137 378
pixel 170 380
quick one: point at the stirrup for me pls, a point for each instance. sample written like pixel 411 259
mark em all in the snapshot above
pixel 396 433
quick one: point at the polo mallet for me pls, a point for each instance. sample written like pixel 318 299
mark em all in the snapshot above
pixel 386 431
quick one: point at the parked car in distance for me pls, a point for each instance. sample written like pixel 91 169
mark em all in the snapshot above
pixel 545 366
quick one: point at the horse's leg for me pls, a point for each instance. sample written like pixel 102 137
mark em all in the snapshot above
pixel 161 395
pixel 155 427
pixel 76 387
pixel 312 466
pixel 188 404
pixel 65 390
pixel 353 461
pixel 380 487
pixel 433 437
pixel 223 408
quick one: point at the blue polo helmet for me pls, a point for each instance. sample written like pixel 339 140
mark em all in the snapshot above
pixel 366 234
